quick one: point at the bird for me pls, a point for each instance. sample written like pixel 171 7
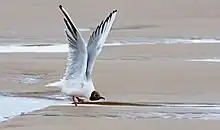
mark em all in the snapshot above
pixel 77 80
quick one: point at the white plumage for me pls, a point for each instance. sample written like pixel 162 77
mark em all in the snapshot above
pixel 77 80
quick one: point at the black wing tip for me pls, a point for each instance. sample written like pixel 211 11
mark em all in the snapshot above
pixel 114 11
pixel 60 6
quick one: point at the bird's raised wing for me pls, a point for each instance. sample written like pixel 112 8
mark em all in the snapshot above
pixel 77 55
pixel 97 39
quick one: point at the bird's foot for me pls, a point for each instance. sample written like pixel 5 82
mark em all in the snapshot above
pixel 80 100
pixel 74 101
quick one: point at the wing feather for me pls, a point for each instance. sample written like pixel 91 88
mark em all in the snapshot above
pixel 77 55
pixel 97 40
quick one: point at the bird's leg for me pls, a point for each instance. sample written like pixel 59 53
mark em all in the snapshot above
pixel 74 101
pixel 79 100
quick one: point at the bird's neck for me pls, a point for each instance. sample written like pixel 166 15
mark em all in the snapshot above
pixel 89 86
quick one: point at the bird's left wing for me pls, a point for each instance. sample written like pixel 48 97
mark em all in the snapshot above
pixel 97 40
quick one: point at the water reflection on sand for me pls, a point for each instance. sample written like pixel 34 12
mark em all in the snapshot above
pixel 14 106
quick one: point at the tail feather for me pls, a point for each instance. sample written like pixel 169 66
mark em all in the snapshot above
pixel 55 84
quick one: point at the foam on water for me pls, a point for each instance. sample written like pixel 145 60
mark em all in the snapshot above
pixel 27 78
pixel 84 29
pixel 205 60
pixel 45 47
pixel 39 49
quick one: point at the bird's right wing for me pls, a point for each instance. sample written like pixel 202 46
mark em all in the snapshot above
pixel 77 55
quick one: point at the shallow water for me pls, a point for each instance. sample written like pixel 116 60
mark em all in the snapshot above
pixel 14 106
pixel 57 47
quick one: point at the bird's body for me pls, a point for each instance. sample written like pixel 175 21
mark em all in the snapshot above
pixel 82 87
pixel 77 81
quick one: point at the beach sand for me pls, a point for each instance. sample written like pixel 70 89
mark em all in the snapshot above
pixel 142 73
pixel 31 20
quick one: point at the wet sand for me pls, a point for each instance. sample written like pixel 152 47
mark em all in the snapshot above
pixel 143 73
pixel 131 73
pixel 97 118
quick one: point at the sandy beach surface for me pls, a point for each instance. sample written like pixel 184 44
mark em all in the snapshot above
pixel 141 73
pixel 38 20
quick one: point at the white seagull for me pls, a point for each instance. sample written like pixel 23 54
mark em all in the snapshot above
pixel 77 80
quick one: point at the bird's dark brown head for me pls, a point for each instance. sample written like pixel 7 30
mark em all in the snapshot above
pixel 95 96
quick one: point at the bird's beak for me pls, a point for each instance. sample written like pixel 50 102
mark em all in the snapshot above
pixel 102 98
